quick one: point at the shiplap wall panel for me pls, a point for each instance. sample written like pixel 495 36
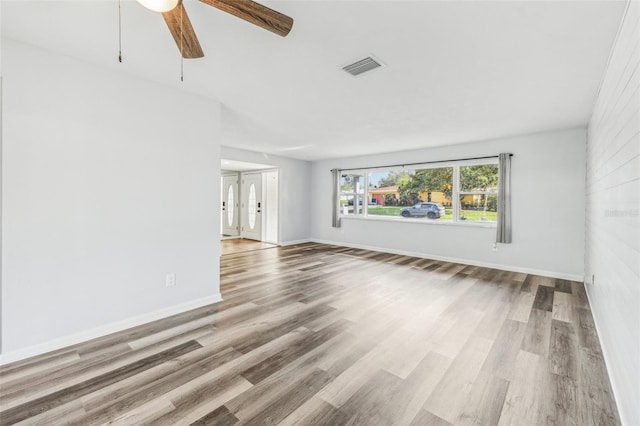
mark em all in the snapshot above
pixel 612 234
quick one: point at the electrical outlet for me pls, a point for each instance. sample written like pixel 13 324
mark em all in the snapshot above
pixel 494 247
pixel 170 280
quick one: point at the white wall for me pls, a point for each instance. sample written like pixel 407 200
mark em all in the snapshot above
pixel 109 183
pixel 548 208
pixel 613 217
pixel 1 166
pixel 270 206
pixel 293 190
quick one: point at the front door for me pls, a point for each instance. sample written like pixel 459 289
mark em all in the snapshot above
pixel 251 211
pixel 230 202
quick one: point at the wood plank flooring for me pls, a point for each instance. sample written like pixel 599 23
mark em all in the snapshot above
pixel 326 335
pixel 239 245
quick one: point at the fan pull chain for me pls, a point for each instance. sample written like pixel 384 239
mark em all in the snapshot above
pixel 119 30
pixel 181 46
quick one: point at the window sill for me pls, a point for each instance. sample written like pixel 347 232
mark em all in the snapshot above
pixel 431 222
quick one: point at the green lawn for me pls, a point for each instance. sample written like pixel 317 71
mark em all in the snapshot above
pixel 471 215
pixel 384 210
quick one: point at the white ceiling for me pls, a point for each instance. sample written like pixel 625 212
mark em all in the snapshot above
pixel 457 71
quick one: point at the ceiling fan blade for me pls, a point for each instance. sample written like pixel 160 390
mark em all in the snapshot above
pixel 180 26
pixel 255 13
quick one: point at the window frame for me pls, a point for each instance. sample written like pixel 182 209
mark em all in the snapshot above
pixel 456 193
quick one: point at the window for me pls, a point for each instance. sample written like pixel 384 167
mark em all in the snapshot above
pixel 352 194
pixel 453 192
pixel 401 193
pixel 478 193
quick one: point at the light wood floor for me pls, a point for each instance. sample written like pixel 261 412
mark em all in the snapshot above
pixel 239 245
pixel 324 335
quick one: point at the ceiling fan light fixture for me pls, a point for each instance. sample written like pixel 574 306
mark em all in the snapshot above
pixel 159 5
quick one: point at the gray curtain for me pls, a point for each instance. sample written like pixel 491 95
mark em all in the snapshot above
pixel 504 199
pixel 335 216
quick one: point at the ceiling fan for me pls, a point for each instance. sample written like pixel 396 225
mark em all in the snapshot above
pixel 185 37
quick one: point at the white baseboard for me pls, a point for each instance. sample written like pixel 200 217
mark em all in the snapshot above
pixel 293 243
pixel 510 268
pixel 104 330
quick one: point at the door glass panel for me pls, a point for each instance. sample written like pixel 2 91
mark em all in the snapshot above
pixel 252 206
pixel 230 205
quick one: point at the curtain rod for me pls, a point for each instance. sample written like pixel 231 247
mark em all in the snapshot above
pixel 422 162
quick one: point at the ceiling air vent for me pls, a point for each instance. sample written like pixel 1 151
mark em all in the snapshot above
pixel 363 65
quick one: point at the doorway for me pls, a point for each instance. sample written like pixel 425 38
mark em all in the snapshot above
pixel 249 197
